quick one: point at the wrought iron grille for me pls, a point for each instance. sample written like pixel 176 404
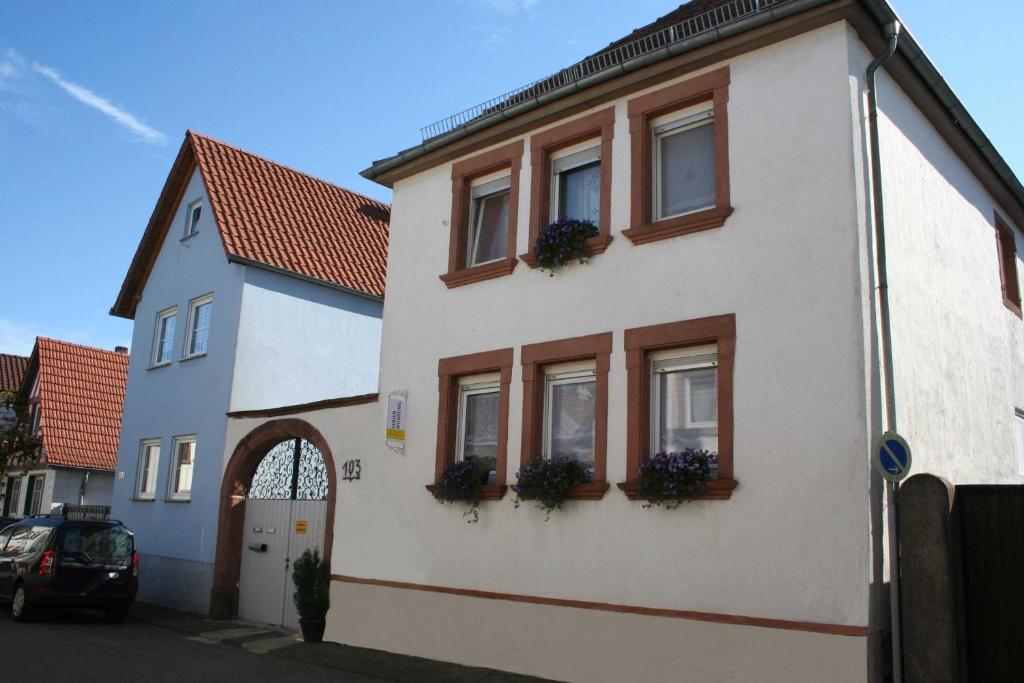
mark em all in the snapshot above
pixel 726 13
pixel 280 477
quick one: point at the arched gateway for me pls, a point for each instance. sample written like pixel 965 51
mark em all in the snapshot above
pixel 277 500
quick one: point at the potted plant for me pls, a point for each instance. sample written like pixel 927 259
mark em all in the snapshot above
pixel 561 241
pixel 463 482
pixel 311 574
pixel 671 478
pixel 548 482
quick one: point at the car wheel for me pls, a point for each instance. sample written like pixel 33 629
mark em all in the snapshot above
pixel 116 615
pixel 20 609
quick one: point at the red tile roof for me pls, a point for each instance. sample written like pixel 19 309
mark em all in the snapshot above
pixel 12 371
pixel 272 215
pixel 81 394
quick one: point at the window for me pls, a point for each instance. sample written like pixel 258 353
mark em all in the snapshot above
pixel 13 496
pixel 485 198
pixel 565 405
pixel 28 539
pixel 488 232
pixel 680 159
pixel 571 177
pixel 570 403
pixel 1019 427
pixel 479 408
pixel 1009 279
pixel 163 342
pixel 679 379
pixel 5 536
pixel 34 499
pixel 149 463
pixel 192 215
pixel 473 413
pixel 199 312
pixel 182 464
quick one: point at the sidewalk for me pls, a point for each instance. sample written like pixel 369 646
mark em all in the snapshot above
pixel 377 664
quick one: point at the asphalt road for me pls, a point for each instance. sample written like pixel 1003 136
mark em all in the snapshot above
pixel 78 646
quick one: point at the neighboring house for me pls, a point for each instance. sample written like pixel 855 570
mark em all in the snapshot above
pixel 12 372
pixel 254 286
pixel 75 396
pixel 730 302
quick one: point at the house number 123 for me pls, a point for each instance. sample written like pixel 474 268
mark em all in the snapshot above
pixel 350 470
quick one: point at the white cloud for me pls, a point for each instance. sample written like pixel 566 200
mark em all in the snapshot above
pixel 12 67
pixel 17 338
pixel 511 7
pixel 103 105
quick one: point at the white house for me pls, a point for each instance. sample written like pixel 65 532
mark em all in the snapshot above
pixel 254 286
pixel 732 301
pixel 75 395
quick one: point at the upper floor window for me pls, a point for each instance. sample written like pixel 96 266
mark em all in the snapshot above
pixel 195 211
pixel 680 158
pixel 1009 279
pixel 163 340
pixel 488 223
pixel 149 462
pixel 576 186
pixel 485 198
pixel 183 462
pixel 684 400
pixel 478 423
pixel 570 404
pixel 200 312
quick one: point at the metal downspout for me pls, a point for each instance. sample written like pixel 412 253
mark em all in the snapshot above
pixel 892 32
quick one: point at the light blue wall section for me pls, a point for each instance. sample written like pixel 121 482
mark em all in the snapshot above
pixel 183 397
pixel 300 342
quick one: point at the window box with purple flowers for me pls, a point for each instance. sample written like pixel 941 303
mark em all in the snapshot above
pixel 551 482
pixel 670 479
pixel 564 240
pixel 467 482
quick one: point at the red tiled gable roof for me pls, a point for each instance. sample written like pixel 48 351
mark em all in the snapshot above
pixel 12 371
pixel 81 394
pixel 272 215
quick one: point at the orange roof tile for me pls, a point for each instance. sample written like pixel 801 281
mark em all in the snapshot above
pixel 12 371
pixel 272 215
pixel 81 395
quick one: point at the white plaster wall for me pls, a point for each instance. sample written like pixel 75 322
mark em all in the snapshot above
pixel 792 541
pixel 300 342
pixel 958 350
pixel 184 397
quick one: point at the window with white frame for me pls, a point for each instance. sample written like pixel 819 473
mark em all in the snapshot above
pixel 195 211
pixel 576 185
pixel 199 313
pixel 684 399
pixel 149 463
pixel 477 431
pixel 163 339
pixel 570 403
pixel 488 222
pixel 34 501
pixel 182 464
pixel 683 173
pixel 13 496
pixel 1019 425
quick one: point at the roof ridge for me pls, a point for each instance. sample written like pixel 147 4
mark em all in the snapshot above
pixel 81 346
pixel 195 133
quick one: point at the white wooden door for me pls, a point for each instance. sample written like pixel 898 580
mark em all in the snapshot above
pixel 264 573
pixel 307 531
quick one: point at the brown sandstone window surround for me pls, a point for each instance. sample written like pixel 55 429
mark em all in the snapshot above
pixel 710 87
pixel 449 371
pixel 598 126
pixel 463 174
pixel 639 344
pixel 1008 276
pixel 534 359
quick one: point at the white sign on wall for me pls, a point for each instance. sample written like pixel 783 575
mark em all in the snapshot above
pixel 394 430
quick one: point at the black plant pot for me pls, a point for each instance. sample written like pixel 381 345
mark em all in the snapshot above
pixel 313 629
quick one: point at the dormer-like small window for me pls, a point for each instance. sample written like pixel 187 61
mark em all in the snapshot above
pixel 195 211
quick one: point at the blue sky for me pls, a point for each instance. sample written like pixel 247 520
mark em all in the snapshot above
pixel 95 98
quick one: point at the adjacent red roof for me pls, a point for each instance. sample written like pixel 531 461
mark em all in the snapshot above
pixel 12 371
pixel 81 395
pixel 272 215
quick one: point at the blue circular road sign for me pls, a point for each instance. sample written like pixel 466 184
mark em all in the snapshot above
pixel 892 456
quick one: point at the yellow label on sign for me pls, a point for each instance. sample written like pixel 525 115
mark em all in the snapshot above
pixel 301 526
pixel 396 434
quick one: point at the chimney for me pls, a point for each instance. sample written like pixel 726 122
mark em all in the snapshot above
pixel 121 349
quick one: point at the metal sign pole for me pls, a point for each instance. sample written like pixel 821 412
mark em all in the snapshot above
pixel 893 490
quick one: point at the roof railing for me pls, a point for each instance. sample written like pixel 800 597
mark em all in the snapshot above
pixel 716 17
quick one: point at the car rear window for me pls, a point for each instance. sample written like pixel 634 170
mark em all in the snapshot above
pixel 103 545
pixel 28 539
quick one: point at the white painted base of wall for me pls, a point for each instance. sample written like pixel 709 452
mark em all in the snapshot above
pixel 571 644
pixel 179 584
